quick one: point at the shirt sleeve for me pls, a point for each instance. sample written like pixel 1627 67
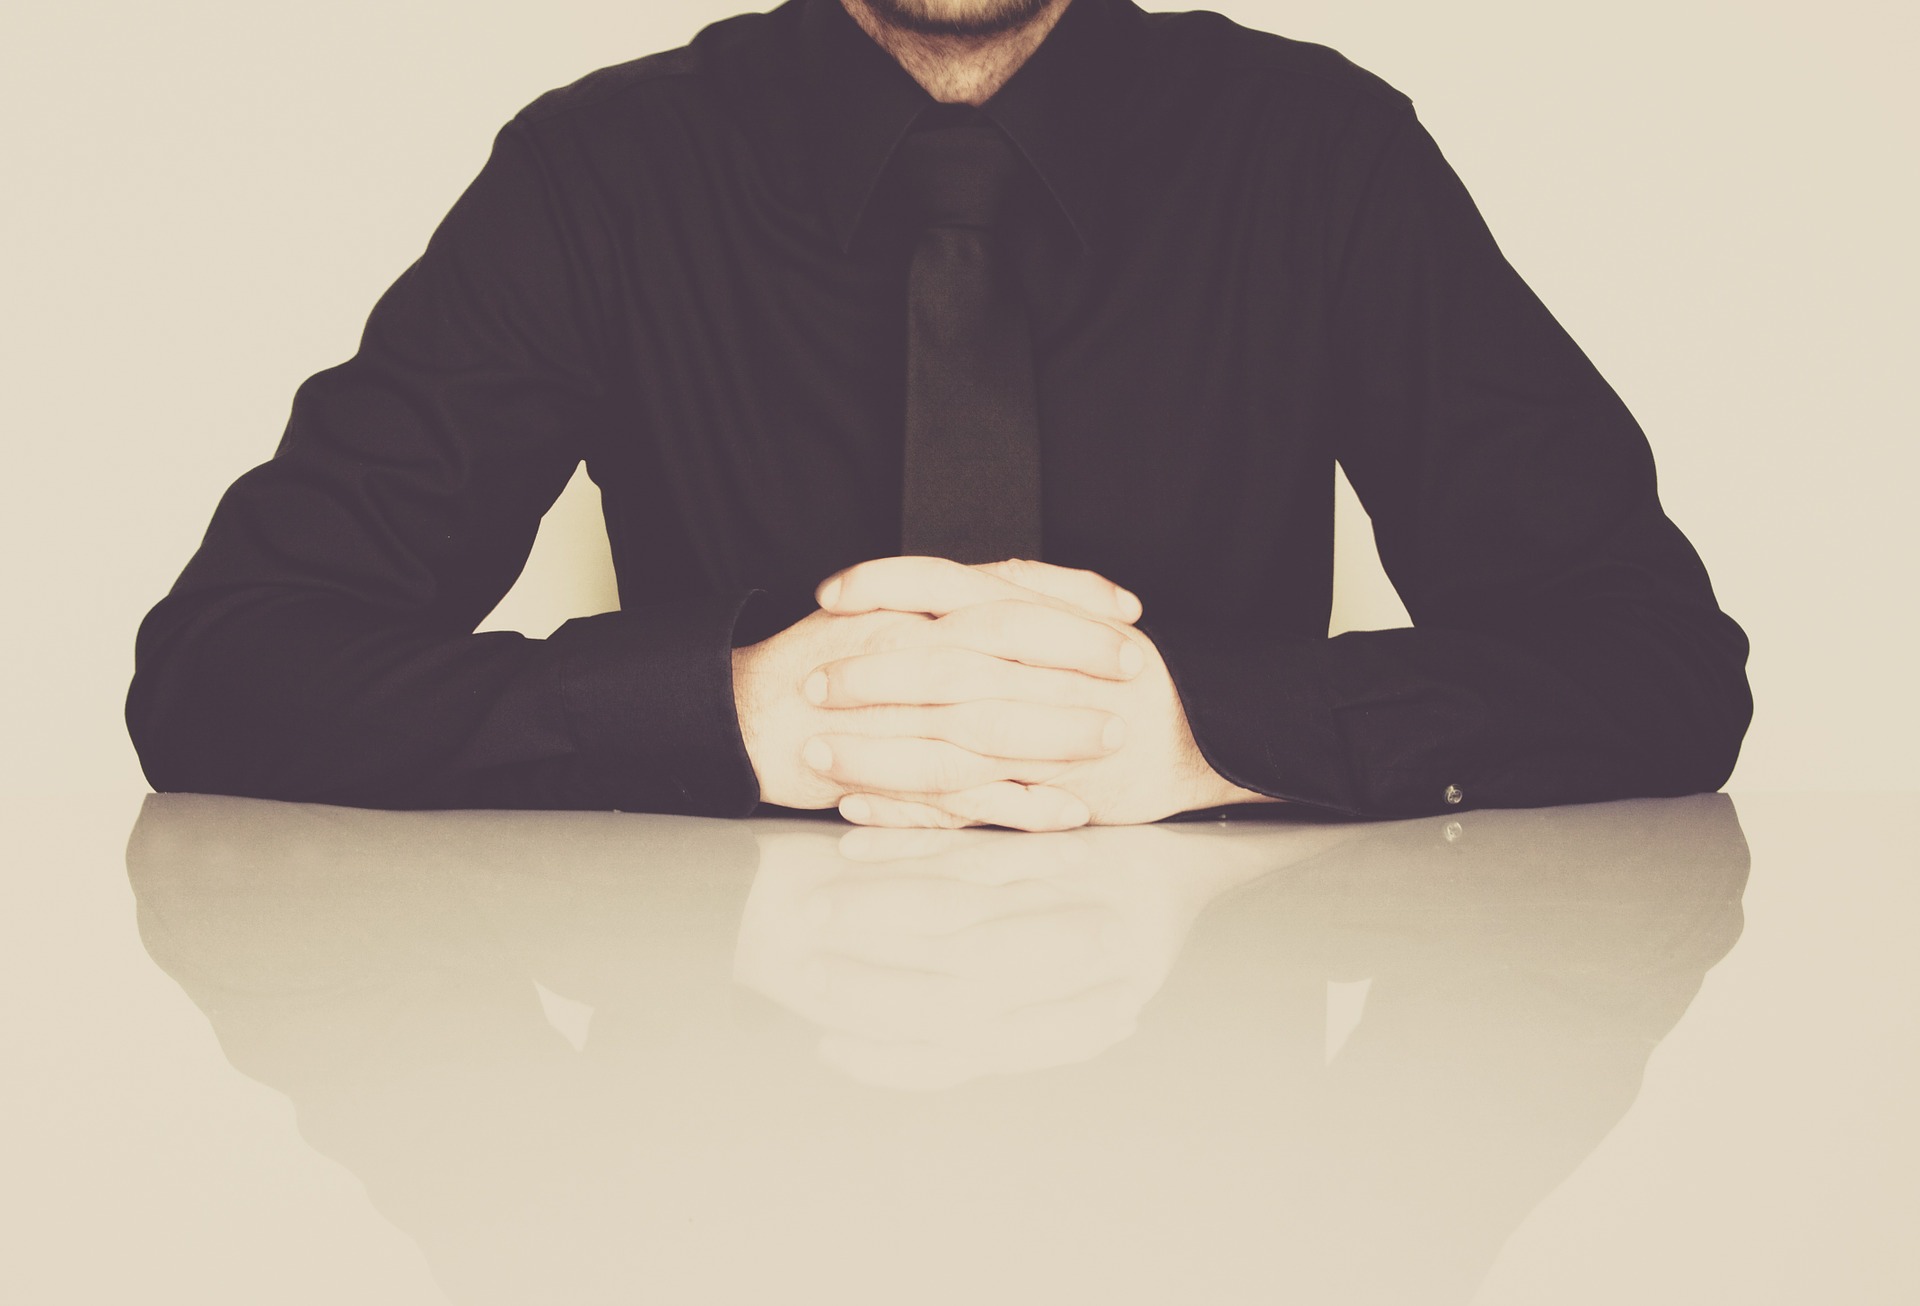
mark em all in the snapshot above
pixel 320 645
pixel 1566 645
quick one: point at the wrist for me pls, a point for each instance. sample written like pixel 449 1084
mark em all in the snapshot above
pixel 1206 787
pixel 746 709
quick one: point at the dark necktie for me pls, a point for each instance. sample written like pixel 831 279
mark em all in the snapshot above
pixel 971 484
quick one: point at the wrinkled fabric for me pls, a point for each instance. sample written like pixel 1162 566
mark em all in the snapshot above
pixel 1243 259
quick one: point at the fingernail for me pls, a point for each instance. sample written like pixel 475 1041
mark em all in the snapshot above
pixel 817 754
pixel 1114 734
pixel 1131 659
pixel 1130 607
pixel 856 809
pixel 830 593
pixel 815 687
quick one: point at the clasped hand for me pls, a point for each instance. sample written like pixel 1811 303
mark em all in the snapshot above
pixel 927 693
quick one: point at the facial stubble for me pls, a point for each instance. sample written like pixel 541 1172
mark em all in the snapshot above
pixel 965 18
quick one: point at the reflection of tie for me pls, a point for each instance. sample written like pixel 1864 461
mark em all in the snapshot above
pixel 971 486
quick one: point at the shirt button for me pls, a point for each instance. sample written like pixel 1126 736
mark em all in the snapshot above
pixel 1453 795
pixel 1453 832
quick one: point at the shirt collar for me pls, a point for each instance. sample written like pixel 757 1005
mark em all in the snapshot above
pixel 1058 110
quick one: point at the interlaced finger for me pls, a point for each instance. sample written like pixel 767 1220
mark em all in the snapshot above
pixel 1017 806
pixel 1034 634
pixel 913 767
pixel 938 586
pixel 1082 588
pixel 939 674
pixel 999 728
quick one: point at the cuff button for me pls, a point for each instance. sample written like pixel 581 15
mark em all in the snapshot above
pixel 1453 795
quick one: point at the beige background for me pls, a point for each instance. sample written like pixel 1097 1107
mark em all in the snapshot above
pixel 203 199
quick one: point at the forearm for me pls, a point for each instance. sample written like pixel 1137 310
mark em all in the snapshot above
pixel 1566 643
pixel 319 645
pixel 313 698
pixel 1423 721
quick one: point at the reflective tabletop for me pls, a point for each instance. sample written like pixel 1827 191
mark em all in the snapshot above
pixel 1652 1051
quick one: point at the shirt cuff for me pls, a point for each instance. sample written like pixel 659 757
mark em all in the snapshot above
pixel 649 693
pixel 1281 715
pixel 1241 700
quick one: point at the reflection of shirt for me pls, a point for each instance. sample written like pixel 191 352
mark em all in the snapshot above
pixel 1244 259
pixel 1514 970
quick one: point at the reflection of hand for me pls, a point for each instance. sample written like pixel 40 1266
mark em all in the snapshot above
pixel 932 957
pixel 1155 769
pixel 973 631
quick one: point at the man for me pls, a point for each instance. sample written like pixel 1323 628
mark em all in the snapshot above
pixel 1198 264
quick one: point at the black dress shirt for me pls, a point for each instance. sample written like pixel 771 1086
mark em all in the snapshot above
pixel 1244 259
